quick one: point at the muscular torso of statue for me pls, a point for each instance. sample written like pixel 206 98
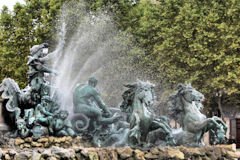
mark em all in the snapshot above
pixel 86 100
pixel 85 94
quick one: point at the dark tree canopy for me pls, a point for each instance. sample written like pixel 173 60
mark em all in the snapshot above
pixel 183 40
pixel 191 41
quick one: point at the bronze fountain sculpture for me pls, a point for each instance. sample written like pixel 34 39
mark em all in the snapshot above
pixel 186 106
pixel 138 100
pixel 33 111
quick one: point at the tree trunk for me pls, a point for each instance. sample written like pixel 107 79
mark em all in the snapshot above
pixel 220 106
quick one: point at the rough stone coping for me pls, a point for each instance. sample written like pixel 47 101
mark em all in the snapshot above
pixel 75 150
pixel 46 142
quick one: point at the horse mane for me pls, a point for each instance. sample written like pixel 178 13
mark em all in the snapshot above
pixel 176 110
pixel 128 97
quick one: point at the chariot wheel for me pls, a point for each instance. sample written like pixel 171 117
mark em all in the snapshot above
pixel 80 122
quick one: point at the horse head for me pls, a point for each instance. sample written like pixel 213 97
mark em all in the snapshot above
pixel 190 95
pixel 143 91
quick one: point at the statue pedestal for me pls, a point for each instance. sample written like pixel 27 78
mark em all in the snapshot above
pixel 3 126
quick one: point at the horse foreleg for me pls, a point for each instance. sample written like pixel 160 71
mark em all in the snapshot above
pixel 200 126
pixel 217 119
pixel 155 125
pixel 135 128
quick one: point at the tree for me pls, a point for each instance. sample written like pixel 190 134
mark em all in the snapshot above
pixel 22 28
pixel 117 8
pixel 191 41
pixel 181 40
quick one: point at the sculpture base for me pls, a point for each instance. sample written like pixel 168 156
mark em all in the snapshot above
pixel 74 150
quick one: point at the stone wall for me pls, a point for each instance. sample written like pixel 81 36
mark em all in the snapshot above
pixel 73 149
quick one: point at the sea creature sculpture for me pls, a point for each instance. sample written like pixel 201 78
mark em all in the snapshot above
pixel 186 105
pixel 137 102
pixel 34 100
pixel 92 117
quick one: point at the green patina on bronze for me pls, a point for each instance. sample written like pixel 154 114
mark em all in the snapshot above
pixel 186 106
pixel 94 119
pixel 31 109
pixel 138 100
pixel 33 112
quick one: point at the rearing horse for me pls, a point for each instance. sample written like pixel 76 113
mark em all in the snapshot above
pixel 185 108
pixel 137 101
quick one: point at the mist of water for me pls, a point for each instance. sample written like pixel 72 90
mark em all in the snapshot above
pixel 93 47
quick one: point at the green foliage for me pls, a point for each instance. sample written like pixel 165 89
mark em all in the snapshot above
pixel 182 40
pixel 118 8
pixel 22 28
pixel 191 41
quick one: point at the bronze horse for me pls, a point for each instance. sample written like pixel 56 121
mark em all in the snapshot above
pixel 186 110
pixel 137 102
